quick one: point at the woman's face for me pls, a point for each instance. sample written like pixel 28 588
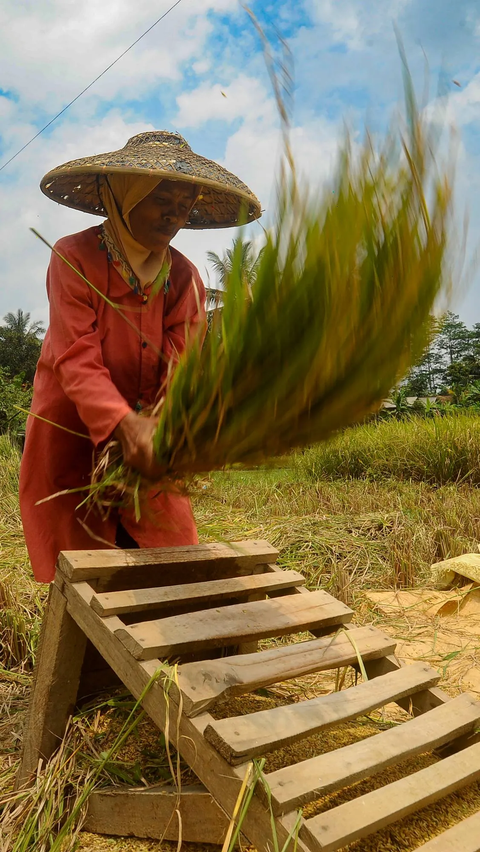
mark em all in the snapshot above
pixel 156 219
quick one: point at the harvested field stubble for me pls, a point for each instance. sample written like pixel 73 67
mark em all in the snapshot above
pixel 343 535
pixel 109 742
pixel 21 599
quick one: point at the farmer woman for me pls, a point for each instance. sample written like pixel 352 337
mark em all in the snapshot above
pixel 96 374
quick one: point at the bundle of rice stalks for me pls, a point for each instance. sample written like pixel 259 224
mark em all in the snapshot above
pixel 338 313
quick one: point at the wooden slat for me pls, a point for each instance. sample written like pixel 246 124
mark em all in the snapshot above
pixel 206 683
pixel 362 816
pixel 153 813
pixel 244 737
pixel 79 565
pixel 464 837
pixel 301 783
pixel 222 780
pixel 228 625
pixel 420 703
pixel 142 600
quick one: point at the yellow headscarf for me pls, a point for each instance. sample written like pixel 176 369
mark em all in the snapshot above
pixel 120 194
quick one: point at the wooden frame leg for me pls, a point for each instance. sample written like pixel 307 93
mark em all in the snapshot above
pixel 55 685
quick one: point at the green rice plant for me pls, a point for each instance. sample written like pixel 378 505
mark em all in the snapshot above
pixel 438 451
pixel 9 461
pixel 14 391
pixel 254 776
pixel 375 533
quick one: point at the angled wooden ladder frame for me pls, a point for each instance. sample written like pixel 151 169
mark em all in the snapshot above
pixel 140 608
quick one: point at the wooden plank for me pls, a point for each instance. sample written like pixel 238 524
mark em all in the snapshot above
pixel 422 702
pixel 362 816
pixel 464 837
pixel 304 782
pixel 252 647
pixel 229 625
pixel 79 565
pixel 187 735
pixel 142 600
pixel 244 737
pixel 153 813
pixel 206 683
pixel 55 685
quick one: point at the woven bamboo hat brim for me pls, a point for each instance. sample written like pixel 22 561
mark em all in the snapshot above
pixel 225 201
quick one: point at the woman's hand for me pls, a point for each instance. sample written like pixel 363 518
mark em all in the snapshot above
pixel 135 434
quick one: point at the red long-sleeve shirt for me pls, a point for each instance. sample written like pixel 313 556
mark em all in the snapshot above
pixel 93 369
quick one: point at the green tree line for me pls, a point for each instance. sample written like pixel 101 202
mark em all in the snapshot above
pixel 20 344
pixel 452 362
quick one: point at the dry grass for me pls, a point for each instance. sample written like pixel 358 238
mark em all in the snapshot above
pixel 344 535
pixel 21 599
pixel 108 743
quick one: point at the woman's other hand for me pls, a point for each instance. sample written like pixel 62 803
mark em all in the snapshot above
pixel 135 434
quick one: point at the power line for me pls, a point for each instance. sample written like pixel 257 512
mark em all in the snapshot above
pixel 177 3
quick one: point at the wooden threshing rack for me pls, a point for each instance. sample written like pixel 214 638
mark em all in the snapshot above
pixel 140 608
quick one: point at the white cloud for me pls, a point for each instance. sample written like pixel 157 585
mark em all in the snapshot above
pixel 245 97
pixel 7 108
pixel 51 49
pixel 464 105
pixel 202 66
pixel 253 150
pixel 255 155
pixel 354 23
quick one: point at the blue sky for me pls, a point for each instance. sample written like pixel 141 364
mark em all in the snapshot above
pixel 201 72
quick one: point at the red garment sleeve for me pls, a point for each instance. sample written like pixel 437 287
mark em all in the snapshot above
pixel 187 315
pixel 76 348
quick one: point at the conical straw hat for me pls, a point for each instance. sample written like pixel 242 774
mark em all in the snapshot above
pixel 225 201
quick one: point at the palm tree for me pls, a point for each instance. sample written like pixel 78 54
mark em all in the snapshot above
pixel 248 262
pixel 20 324
pixel 20 344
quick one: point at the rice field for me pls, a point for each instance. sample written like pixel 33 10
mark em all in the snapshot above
pixel 346 534
pixel 437 451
